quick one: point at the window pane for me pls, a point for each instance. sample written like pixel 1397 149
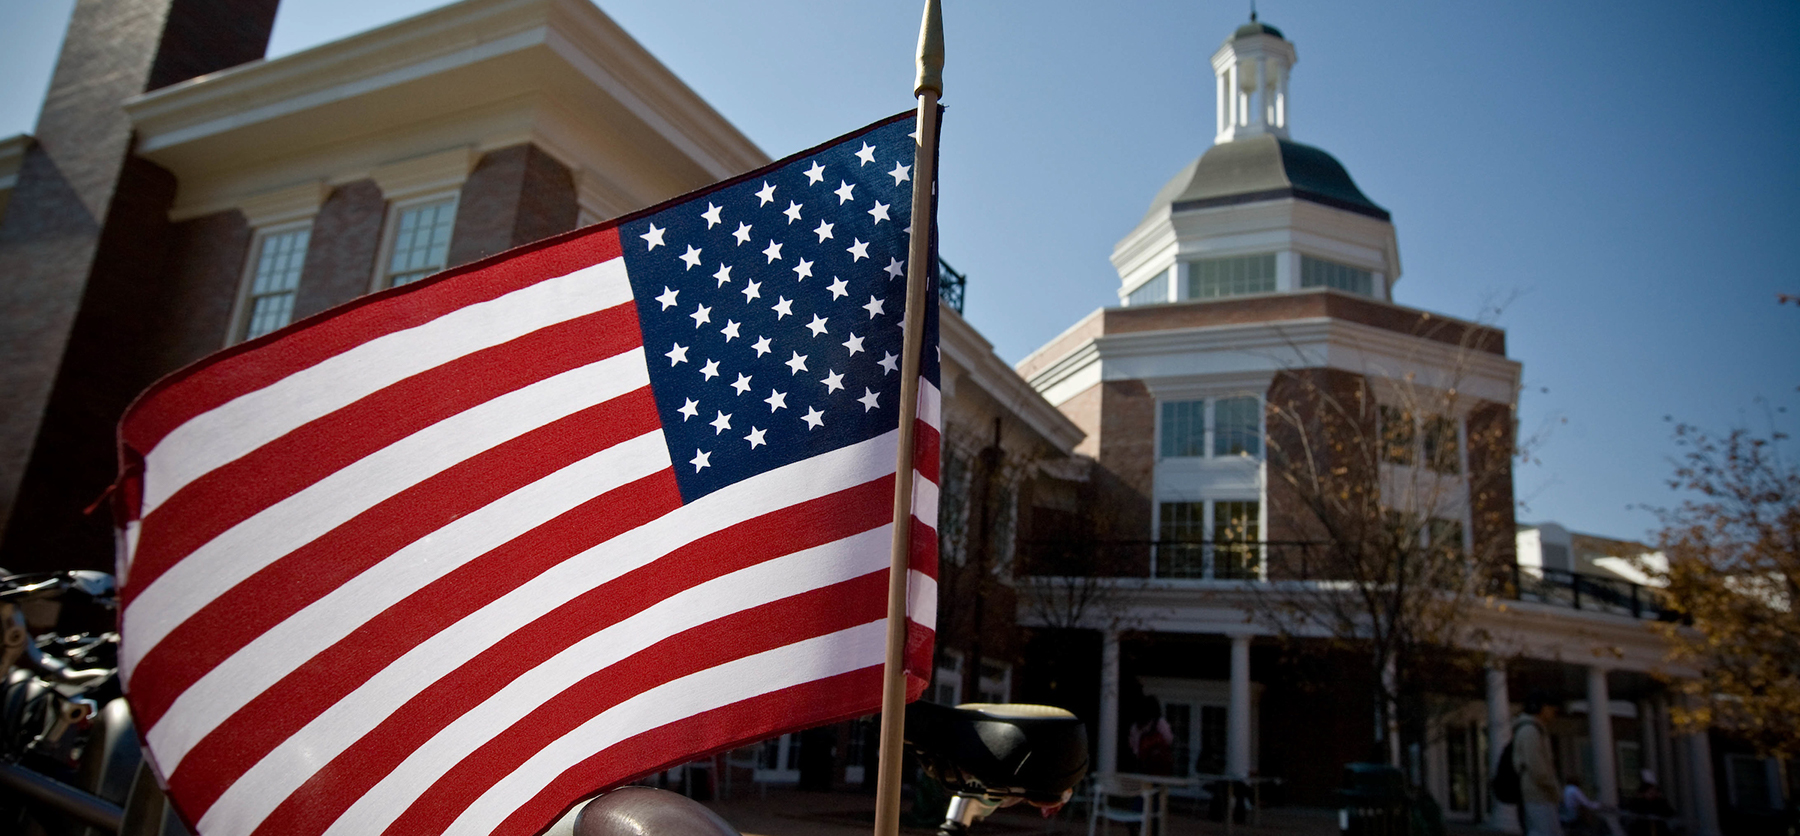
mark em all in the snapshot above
pixel 1446 536
pixel 1442 451
pixel 1183 428
pixel 1317 272
pixel 1182 528
pixel 1397 436
pixel 421 241
pixel 1150 292
pixel 1237 426
pixel 1216 277
pixel 279 258
pixel 1235 532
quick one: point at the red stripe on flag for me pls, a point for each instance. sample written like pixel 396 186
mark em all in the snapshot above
pixel 738 724
pixel 229 622
pixel 804 616
pixel 335 786
pixel 253 365
pixel 234 492
pixel 924 560
pixel 927 442
pixel 300 697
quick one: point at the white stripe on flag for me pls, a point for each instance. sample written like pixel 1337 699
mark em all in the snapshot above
pixel 248 547
pixel 263 662
pixel 931 404
pixel 921 598
pixel 925 499
pixel 745 589
pixel 256 418
pixel 735 681
pixel 334 730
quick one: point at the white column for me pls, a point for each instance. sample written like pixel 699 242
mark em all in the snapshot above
pixel 1224 104
pixel 1237 718
pixel 1652 754
pixel 1600 736
pixel 1499 718
pixel 1670 767
pixel 1109 703
pixel 1700 776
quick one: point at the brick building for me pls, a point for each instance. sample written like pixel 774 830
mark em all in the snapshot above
pixel 180 194
pixel 1255 408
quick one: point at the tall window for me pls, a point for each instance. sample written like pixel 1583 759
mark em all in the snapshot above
pixel 1235 425
pixel 420 242
pixel 1317 272
pixel 1398 435
pixel 1181 528
pixel 946 687
pixel 1184 551
pixel 1444 536
pixel 1150 292
pixel 1236 529
pixel 1443 453
pixel 1183 428
pixel 274 279
pixel 1215 277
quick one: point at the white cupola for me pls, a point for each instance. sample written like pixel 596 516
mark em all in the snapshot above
pixel 1252 69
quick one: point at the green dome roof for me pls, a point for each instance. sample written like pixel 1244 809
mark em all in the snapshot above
pixel 1263 168
pixel 1255 28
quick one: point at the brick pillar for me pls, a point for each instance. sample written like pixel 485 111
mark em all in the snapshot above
pixel 340 254
pixel 82 246
pixel 514 196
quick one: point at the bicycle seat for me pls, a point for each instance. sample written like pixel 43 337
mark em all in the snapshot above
pixel 1037 753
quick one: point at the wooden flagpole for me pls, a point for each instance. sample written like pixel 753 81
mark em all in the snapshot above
pixel 928 87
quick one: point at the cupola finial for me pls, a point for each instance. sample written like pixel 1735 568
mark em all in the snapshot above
pixel 1252 74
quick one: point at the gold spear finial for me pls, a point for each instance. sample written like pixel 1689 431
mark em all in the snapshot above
pixel 931 51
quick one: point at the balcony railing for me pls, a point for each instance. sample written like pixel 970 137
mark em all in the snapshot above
pixel 1265 560
pixel 951 285
pixel 1589 592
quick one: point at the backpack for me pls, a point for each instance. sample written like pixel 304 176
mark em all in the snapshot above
pixel 1505 783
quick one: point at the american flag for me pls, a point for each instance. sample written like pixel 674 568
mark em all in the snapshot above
pixel 452 557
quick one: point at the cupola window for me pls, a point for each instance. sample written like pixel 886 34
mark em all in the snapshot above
pixel 1317 272
pixel 1236 276
pixel 1150 292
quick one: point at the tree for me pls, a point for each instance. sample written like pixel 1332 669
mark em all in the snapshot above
pixel 1733 552
pixel 1369 491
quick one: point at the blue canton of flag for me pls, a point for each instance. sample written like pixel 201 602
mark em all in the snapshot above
pixel 771 309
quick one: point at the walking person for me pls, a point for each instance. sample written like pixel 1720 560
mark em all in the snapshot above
pixel 1539 793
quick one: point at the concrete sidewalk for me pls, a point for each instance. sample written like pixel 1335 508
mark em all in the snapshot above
pixel 789 812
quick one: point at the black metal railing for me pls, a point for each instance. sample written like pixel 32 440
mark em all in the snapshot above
pixel 1589 592
pixel 1266 560
pixel 951 285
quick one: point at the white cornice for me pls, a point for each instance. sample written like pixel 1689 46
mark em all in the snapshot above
pixel 961 344
pixel 480 74
pixel 1268 347
pixel 1512 628
pixel 425 174
pixel 282 205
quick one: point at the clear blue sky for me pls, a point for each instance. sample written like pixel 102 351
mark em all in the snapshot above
pixel 1623 172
